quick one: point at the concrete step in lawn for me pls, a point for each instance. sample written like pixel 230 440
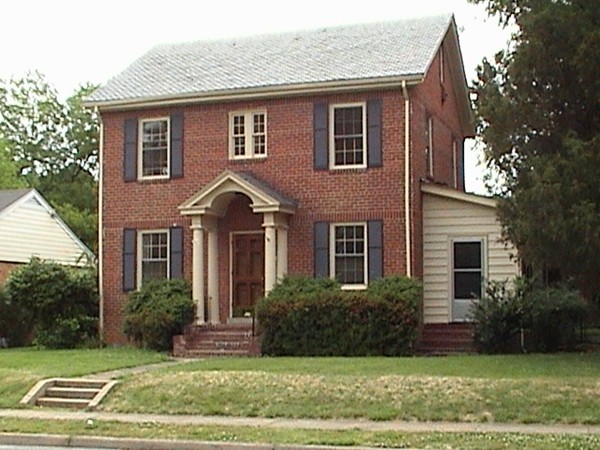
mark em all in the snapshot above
pixel 75 393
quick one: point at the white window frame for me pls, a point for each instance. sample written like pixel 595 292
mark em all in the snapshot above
pixel 332 109
pixel 140 152
pixel 140 252
pixel 429 146
pixel 332 254
pixel 484 266
pixel 248 134
pixel 455 163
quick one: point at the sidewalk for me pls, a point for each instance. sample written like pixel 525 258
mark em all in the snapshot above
pixel 312 424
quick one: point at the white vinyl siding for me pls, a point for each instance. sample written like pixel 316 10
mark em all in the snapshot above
pixel 445 220
pixel 30 230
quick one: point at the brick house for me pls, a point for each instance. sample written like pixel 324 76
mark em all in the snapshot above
pixel 232 163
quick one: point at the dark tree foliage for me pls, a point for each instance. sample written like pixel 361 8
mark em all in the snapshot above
pixel 538 109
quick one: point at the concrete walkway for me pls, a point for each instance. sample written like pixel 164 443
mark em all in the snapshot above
pixel 309 424
pixel 119 373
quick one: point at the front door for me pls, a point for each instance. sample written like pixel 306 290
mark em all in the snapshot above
pixel 467 261
pixel 248 259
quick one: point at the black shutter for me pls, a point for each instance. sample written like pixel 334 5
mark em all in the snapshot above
pixel 375 236
pixel 374 133
pixel 177 145
pixel 321 137
pixel 129 245
pixel 176 252
pixel 321 249
pixel 130 150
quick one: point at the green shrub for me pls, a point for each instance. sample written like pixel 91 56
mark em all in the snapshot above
pixel 520 317
pixel 157 312
pixel 554 315
pixel 16 324
pixel 499 316
pixel 319 319
pixel 398 289
pixel 61 302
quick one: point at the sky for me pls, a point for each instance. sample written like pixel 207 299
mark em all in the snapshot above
pixel 74 42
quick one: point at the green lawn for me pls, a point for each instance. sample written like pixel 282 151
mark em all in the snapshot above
pixel 20 368
pixel 560 388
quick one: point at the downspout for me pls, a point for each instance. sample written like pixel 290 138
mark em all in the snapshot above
pixel 100 228
pixel 407 180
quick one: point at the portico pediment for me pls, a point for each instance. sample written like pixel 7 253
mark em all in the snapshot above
pixel 215 196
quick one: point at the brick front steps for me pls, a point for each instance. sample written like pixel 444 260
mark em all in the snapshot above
pixel 200 341
pixel 78 393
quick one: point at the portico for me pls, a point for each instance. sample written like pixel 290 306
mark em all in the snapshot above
pixel 207 208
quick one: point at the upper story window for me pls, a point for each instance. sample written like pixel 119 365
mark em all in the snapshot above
pixel 154 148
pixel 348 135
pixel 429 145
pixel 349 254
pixel 248 134
pixel 153 256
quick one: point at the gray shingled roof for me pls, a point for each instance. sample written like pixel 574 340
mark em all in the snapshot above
pixel 391 49
pixel 9 196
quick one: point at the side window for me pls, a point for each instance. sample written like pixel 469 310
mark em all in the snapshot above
pixel 348 136
pixel 154 148
pixel 429 145
pixel 247 134
pixel 153 255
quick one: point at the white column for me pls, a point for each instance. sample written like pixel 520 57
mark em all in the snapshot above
pixel 282 252
pixel 198 270
pixel 213 270
pixel 270 252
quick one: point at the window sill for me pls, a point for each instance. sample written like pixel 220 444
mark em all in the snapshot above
pixel 354 287
pixel 154 180
pixel 257 159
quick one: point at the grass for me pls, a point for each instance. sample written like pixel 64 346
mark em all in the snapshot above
pixel 524 389
pixel 21 368
pixel 466 441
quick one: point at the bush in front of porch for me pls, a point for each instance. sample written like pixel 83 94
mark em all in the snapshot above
pixel 304 316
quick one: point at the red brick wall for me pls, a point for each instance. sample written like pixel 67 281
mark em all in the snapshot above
pixel 438 100
pixel 5 269
pixel 334 196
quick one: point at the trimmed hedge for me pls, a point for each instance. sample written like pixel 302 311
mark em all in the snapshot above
pixel 157 312
pixel 314 317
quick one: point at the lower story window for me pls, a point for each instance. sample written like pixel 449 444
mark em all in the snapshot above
pixel 153 255
pixel 349 262
pixel 468 269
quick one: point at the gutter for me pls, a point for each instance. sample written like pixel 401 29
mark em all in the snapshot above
pixel 257 93
pixel 100 228
pixel 407 180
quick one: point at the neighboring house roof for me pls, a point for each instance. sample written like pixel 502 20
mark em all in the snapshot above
pixel 8 197
pixel 30 227
pixel 376 52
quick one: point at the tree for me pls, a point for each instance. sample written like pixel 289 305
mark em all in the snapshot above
pixel 9 171
pixel 538 109
pixel 54 145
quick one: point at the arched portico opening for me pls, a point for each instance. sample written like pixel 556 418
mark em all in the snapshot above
pixel 208 208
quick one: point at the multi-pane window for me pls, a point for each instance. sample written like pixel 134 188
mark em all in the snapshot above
pixel 468 269
pixel 154 255
pixel 154 148
pixel 248 135
pixel 348 135
pixel 349 253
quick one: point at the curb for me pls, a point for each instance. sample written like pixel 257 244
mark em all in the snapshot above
pixel 150 444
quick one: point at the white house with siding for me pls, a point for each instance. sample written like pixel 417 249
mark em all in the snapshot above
pixel 29 227
pixel 461 246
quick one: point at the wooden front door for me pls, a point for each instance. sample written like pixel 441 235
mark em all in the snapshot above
pixel 248 259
